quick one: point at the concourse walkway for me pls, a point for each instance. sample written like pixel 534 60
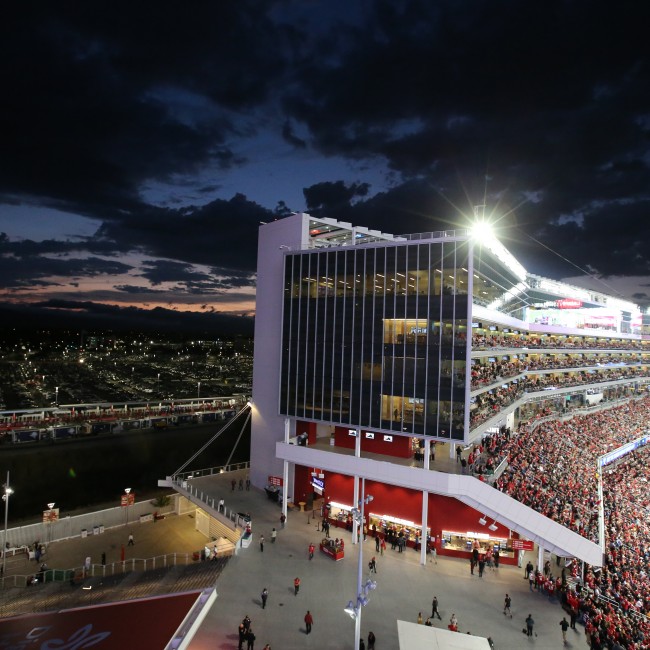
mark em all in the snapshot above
pixel 404 588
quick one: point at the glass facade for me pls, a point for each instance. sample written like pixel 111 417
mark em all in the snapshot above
pixel 376 337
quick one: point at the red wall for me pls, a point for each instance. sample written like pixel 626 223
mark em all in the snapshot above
pixel 307 427
pixel 444 513
pixel 400 447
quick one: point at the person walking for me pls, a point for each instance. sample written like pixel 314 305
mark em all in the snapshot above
pixel 529 625
pixel 377 543
pixel 283 519
pixel 371 640
pixel 296 586
pixel 434 608
pixel 373 565
pixel 250 639
pixel 265 595
pixel 262 543
pixel 274 534
pixel 242 636
pixel 419 618
pixel 131 540
pixel 506 606
pixel 312 548
pixel 309 621
pixel 564 624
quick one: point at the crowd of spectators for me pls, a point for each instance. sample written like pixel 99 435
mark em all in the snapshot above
pixel 552 468
pixel 490 402
pixel 485 373
pixel 503 341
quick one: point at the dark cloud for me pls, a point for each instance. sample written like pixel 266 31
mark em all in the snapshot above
pixel 333 195
pixel 539 110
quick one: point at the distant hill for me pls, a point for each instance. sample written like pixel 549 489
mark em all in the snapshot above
pixel 90 315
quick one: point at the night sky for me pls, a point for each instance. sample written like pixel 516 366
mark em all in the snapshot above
pixel 143 143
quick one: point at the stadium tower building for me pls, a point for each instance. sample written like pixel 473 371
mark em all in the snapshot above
pixel 375 353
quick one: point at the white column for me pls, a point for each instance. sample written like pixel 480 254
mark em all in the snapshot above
pixel 357 445
pixel 355 504
pixel 425 516
pixel 427 452
pixel 540 557
pixel 285 487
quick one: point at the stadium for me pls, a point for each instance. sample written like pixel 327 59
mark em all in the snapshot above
pixel 435 372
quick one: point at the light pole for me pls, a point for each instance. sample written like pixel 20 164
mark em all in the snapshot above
pixel 5 497
pixel 354 609
pixel 56 396
pixel 158 385
pixel 198 391
pixel 50 513
pixel 127 491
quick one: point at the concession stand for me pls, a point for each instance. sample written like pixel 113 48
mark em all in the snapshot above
pixel 333 548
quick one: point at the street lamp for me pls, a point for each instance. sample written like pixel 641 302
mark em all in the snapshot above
pixel 354 608
pixel 128 491
pixel 158 385
pixel 198 391
pixel 50 513
pixel 5 497
pixel 56 396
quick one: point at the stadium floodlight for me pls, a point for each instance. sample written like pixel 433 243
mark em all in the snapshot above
pixel 482 231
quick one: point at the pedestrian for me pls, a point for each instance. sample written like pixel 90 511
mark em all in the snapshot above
pixel 246 622
pixel 371 640
pixel 131 540
pixel 574 617
pixel 362 645
pixel 564 624
pixel 481 566
pixel 248 483
pixel 496 558
pixel 434 553
pixel 529 625
pixel 250 638
pixel 531 580
pixel 428 622
pixel 233 484
pixel 242 636
pixel 312 548
pixel 377 544
pixel 103 558
pixel 309 621
pixel 222 505
pixel 265 595
pixel 274 534
pixel 506 606
pixel 419 618
pixel 529 568
pixel 453 623
pixel 283 518
pixel 434 608
pixel 373 565
pixel 241 484
pixel 459 451
pixel 296 586
pixel 262 543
